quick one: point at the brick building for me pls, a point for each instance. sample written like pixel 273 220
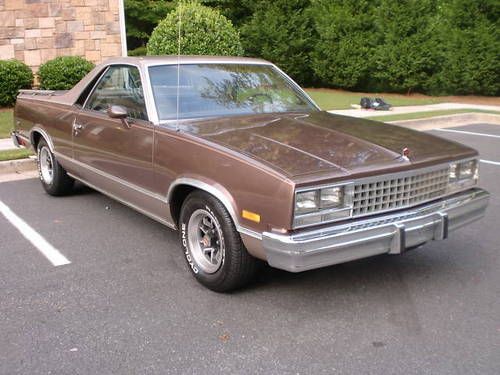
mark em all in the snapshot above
pixel 35 31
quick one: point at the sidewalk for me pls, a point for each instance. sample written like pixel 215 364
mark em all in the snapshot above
pixel 414 109
pixel 6 144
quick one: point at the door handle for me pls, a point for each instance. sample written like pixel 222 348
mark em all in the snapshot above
pixel 76 128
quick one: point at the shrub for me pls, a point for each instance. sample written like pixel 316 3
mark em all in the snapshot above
pixel 63 72
pixel 282 32
pixel 342 55
pixel 470 45
pixel 139 51
pixel 204 31
pixel 408 53
pixel 14 75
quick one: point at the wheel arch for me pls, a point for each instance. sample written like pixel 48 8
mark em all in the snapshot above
pixel 183 186
pixel 36 134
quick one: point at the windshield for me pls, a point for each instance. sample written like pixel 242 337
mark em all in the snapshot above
pixel 207 90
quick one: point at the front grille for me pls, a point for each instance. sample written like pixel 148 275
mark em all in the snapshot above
pixel 382 194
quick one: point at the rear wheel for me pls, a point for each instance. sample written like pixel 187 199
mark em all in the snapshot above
pixel 54 178
pixel 212 246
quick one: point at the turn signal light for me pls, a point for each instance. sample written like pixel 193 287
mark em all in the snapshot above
pixel 252 216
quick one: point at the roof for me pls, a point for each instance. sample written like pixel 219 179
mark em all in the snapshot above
pixel 184 59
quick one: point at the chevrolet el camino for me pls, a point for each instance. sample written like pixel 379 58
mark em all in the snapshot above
pixel 235 156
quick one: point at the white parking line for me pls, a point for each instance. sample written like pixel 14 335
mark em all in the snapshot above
pixel 51 253
pixel 469 133
pixel 489 162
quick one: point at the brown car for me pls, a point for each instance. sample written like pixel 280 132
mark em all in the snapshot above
pixel 235 155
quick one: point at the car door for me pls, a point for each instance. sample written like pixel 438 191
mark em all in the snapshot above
pixel 111 148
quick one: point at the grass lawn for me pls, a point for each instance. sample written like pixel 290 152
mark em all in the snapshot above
pixel 337 99
pixel 419 115
pixel 18 153
pixel 6 122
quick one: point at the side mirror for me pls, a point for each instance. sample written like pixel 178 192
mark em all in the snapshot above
pixel 117 111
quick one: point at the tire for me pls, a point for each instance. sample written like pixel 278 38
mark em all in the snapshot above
pixel 54 178
pixel 232 267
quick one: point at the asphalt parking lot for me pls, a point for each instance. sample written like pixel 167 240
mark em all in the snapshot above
pixel 125 303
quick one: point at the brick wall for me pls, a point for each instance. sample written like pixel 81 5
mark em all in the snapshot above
pixel 35 31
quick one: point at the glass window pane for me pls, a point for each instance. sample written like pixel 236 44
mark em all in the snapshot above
pixel 207 90
pixel 120 85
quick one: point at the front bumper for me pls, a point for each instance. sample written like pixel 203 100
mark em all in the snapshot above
pixel 384 234
pixel 13 136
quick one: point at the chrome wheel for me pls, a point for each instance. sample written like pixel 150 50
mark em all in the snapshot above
pixel 46 163
pixel 206 241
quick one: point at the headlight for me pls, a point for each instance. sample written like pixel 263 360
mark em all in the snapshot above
pixel 463 175
pixel 306 201
pixel 321 205
pixel 332 197
pixel 466 170
pixel 453 172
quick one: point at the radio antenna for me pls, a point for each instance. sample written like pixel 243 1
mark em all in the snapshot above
pixel 179 23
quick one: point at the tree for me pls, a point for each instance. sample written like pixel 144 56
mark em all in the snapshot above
pixel 407 53
pixel 141 17
pixel 282 32
pixel 203 31
pixel 342 56
pixel 470 44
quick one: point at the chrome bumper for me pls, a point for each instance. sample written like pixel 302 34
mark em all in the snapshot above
pixel 13 136
pixel 385 234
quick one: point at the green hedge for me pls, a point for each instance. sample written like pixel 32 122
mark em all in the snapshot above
pixel 14 75
pixel 282 32
pixel 139 51
pixel 204 31
pixel 63 72
pixel 429 46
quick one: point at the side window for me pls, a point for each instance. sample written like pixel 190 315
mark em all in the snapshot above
pixel 120 85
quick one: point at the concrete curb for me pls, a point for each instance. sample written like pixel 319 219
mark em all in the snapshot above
pixel 449 121
pixel 17 166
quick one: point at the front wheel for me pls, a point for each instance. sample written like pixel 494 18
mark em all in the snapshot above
pixel 212 247
pixel 54 178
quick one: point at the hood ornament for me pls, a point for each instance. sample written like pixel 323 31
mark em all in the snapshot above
pixel 405 153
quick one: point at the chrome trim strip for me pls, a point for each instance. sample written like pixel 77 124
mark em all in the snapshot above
pixel 296 85
pixel 99 79
pixel 23 137
pixel 181 181
pixel 127 203
pixel 209 189
pixel 249 232
pixel 44 134
pixel 113 178
pixel 219 195
pixel 13 137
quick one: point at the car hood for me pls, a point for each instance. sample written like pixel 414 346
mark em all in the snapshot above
pixel 320 143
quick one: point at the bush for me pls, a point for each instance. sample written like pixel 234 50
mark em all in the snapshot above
pixel 407 55
pixel 63 72
pixel 204 31
pixel 470 46
pixel 342 56
pixel 139 51
pixel 282 32
pixel 14 75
